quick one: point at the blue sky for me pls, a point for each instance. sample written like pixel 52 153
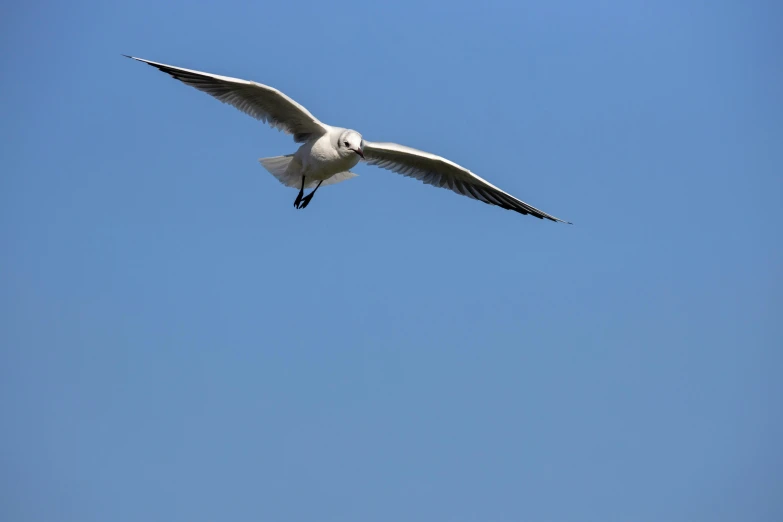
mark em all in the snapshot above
pixel 177 342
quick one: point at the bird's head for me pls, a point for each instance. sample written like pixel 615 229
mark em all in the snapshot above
pixel 350 142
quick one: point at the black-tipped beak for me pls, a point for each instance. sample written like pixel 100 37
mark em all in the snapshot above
pixel 359 152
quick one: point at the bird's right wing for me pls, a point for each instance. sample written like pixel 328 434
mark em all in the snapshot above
pixel 440 172
pixel 259 101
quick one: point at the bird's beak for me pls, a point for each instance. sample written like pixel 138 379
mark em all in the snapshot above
pixel 359 152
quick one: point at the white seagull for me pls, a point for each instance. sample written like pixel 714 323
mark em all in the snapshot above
pixel 328 153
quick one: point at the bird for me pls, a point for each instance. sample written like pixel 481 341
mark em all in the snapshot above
pixel 327 154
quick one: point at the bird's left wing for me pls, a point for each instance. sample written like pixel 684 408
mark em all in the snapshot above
pixel 259 101
pixel 440 172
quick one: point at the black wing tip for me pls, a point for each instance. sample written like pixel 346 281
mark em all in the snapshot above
pixel 557 220
pixel 142 60
pixel 541 216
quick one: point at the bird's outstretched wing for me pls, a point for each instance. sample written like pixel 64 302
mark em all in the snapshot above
pixel 259 101
pixel 440 172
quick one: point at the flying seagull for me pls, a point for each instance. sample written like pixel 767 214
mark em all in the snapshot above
pixel 328 154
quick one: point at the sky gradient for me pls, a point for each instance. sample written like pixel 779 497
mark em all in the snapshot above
pixel 178 343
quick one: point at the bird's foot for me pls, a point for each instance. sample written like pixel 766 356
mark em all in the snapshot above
pixel 305 200
pixel 298 199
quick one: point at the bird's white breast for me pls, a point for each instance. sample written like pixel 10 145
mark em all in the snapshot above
pixel 321 160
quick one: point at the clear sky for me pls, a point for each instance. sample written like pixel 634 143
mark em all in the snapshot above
pixel 178 343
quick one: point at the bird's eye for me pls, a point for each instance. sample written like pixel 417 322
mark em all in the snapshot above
pixel 346 144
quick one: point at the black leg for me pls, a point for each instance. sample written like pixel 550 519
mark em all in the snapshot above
pixel 301 193
pixel 307 198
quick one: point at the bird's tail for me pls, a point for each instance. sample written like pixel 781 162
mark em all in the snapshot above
pixel 287 170
pixel 278 166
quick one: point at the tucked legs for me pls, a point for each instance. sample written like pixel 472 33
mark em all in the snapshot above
pixel 301 193
pixel 301 200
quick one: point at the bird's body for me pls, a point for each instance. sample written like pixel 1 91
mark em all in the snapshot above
pixel 321 158
pixel 327 154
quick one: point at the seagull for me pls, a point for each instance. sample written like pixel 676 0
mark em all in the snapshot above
pixel 328 154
